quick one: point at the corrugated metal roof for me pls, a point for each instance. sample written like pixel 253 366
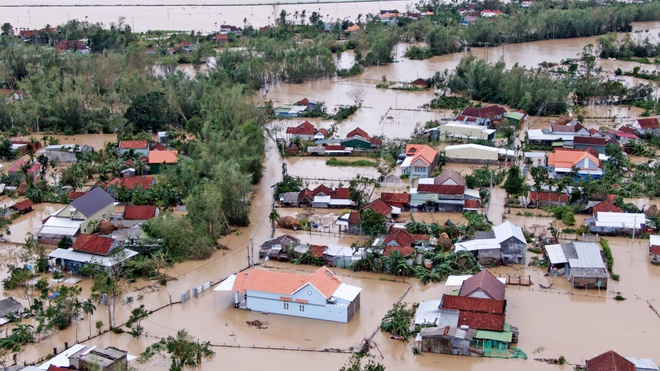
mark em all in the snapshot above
pixel 475 245
pixel 588 256
pixel 347 292
pixel 106 261
pixel 643 363
pixel 556 254
pixel 503 336
pixel 92 202
pixel 620 220
pixel 654 240
pixel 428 312
pixel 508 229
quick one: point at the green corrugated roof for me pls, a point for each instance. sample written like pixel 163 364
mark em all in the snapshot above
pixel 514 115
pixel 504 336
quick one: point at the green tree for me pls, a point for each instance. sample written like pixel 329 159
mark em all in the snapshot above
pixel 273 217
pixel 184 350
pixel 136 317
pixel 7 29
pixel 514 184
pixel 372 222
pixel 149 112
pixel 88 308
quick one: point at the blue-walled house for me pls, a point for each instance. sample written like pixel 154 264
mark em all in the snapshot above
pixel 320 295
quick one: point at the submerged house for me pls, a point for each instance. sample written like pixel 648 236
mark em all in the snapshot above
pixel 420 161
pixel 445 192
pixel 277 248
pixel 654 248
pixel 319 295
pixel 505 244
pixel 580 262
pixel 613 361
pixel 88 249
pixel 616 223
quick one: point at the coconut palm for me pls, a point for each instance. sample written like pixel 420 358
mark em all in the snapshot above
pixel 273 217
pixel 88 308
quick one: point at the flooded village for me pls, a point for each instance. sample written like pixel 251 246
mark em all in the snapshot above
pixel 427 237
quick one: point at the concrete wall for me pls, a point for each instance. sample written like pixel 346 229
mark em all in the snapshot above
pixel 513 251
pixel 107 211
pixel 315 308
pixel 471 154
pixel 138 152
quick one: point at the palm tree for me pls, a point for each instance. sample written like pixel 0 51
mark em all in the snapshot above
pixel 89 308
pixel 273 216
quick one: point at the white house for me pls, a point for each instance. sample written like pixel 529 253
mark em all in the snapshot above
pixel 457 129
pixel 608 222
pixel 320 295
pixel 420 161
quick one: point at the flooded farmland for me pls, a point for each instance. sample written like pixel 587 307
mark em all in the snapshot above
pixel 553 322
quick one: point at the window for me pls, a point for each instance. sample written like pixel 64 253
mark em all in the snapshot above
pixel 420 169
pixel 302 308
pixel 286 305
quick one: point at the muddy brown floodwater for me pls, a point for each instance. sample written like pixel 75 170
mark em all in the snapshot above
pixel 552 322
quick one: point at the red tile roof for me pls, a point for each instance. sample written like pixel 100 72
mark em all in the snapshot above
pixel 354 217
pixel 91 244
pixel 341 194
pixel 323 280
pixel 441 189
pixel 144 182
pixel 303 102
pixel 484 112
pixel 331 147
pixel 627 129
pixel 376 141
pixel 557 128
pixel 590 141
pixel 420 82
pixel 23 205
pixel 547 196
pixel 481 321
pixel 145 212
pixel 305 128
pixel 405 251
pixel 317 250
pixel 305 193
pixel 485 281
pixel 379 206
pixel 322 189
pixel 609 361
pixel 401 237
pixel 471 204
pixel 359 132
pixel 648 123
pixel 477 313
pixel 134 144
pixel 16 166
pixel 395 198
pixel 606 207
pixel 158 147
pixel 34 168
pixel 73 195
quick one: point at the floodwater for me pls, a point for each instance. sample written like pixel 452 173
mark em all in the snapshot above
pixel 548 328
pixel 204 16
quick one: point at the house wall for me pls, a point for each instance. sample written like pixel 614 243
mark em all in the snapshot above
pixel 513 251
pixel 356 143
pixel 107 211
pixel 61 156
pixel 316 307
pixel 589 282
pixel 584 147
pixel 445 345
pixel 489 257
pixel 419 169
pixel 655 258
pixel 138 152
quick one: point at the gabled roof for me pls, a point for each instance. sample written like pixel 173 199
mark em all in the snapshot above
pixel 134 144
pixel 353 28
pixel 484 112
pixel 379 206
pixel 163 157
pixel 609 361
pixel 144 212
pixel 441 189
pixel 9 305
pixel 323 280
pixel 477 313
pixel 401 237
pixel 144 182
pixel 306 128
pixel 448 174
pixel 567 158
pixel 91 244
pixel 322 189
pixel 421 152
pixel 557 128
pixel 354 217
pixel 506 230
pixel 305 193
pixel 285 239
pixel 92 202
pixel 16 166
pixel 359 132
pixel 341 194
pixel 485 281
pixel 606 206
pixel 648 123
pixel 390 198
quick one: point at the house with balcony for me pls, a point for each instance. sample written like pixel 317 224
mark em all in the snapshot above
pixel 420 161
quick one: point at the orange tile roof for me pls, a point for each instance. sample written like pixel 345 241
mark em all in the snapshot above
pixel 606 206
pixel 163 157
pixel 93 244
pixel 23 205
pixel 396 198
pixel 566 158
pixel 280 283
pixel 421 151
pixel 74 195
pixel 379 206
pixel 405 250
pixel 133 144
